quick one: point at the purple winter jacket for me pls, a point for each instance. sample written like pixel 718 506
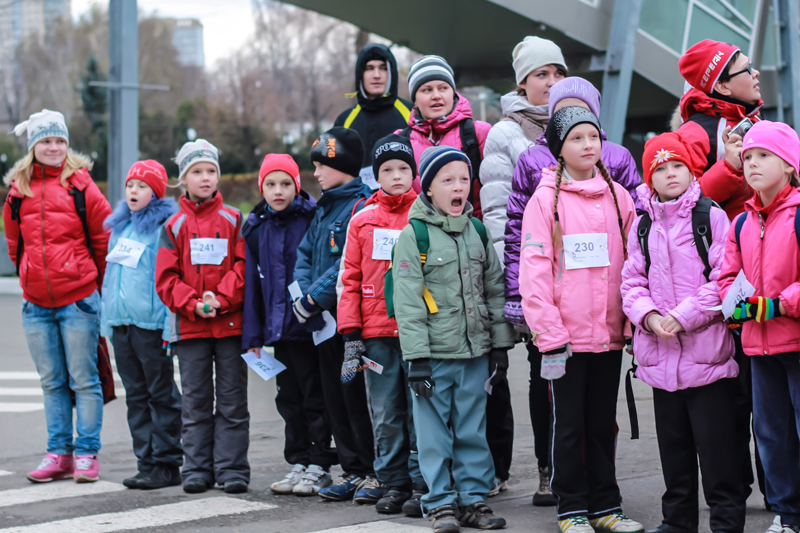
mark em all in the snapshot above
pixel 703 353
pixel 527 175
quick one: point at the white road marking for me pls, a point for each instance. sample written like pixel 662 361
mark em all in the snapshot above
pixel 5 473
pixel 6 407
pixel 148 517
pixel 382 526
pixel 55 491
pixel 17 376
pixel 21 391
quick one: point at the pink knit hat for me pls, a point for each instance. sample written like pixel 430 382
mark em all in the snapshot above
pixel 778 138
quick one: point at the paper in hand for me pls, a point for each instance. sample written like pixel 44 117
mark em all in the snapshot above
pixel 266 366
pixel 740 289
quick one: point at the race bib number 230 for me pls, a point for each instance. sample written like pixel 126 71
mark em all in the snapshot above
pixel 586 250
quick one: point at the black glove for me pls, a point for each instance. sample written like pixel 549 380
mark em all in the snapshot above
pixel 420 378
pixel 498 361
pixel 353 350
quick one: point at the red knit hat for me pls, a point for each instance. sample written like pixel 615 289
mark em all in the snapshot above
pixel 152 173
pixel 663 148
pixel 702 64
pixel 283 162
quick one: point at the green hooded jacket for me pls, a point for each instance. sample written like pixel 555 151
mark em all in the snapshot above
pixel 466 282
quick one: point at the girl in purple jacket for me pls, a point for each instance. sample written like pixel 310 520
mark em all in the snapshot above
pixel 684 348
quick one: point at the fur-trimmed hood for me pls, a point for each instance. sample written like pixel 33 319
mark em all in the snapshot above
pixel 145 221
pixel 82 161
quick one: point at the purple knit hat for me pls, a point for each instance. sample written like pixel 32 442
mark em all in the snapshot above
pixel 574 87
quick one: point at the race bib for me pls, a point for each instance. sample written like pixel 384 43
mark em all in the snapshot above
pixel 368 177
pixel 208 251
pixel 382 243
pixel 586 250
pixel 127 253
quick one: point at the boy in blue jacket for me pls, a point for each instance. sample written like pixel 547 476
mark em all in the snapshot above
pixel 272 232
pixel 337 155
pixel 138 323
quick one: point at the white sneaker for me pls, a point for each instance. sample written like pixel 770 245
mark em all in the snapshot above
pixel 616 523
pixel 499 486
pixel 314 479
pixel 286 485
pixel 575 524
pixel 778 527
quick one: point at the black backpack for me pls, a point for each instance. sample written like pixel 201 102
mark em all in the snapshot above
pixel 740 220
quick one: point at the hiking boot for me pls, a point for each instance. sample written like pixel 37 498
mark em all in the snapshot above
pixel 87 469
pixel 779 527
pixel 369 491
pixel 575 524
pixel 286 485
pixel 195 485
pixel 235 486
pixel 413 506
pixel 133 481
pixel 161 476
pixel 393 500
pixel 480 516
pixel 53 467
pixel 499 486
pixel 312 481
pixel 616 523
pixel 544 497
pixel 445 519
pixel 344 490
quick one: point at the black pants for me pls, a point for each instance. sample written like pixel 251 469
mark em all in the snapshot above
pixel 584 416
pixel 152 397
pixel 215 443
pixel 300 403
pixel 500 428
pixel 347 410
pixel 539 402
pixel 692 423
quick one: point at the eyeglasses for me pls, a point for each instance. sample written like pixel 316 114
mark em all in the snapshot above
pixel 750 68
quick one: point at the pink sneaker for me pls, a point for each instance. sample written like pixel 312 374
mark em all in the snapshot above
pixel 53 467
pixel 87 469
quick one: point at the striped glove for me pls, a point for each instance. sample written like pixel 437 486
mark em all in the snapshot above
pixel 756 308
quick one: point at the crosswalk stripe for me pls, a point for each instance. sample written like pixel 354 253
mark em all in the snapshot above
pixel 55 491
pixel 21 391
pixel 382 526
pixel 8 407
pixel 148 517
pixel 19 376
pixel 5 473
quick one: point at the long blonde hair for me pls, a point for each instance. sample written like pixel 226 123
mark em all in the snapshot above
pixel 22 171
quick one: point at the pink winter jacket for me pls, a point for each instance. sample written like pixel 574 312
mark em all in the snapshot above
pixel 772 265
pixel 580 306
pixel 676 286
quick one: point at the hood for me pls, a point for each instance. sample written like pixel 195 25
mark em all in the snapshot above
pixel 461 110
pixel 422 210
pixel 681 207
pixel 144 221
pixel 591 187
pixel 695 101
pixel 393 203
pixel 511 102
pixel 82 161
pixel 369 53
pixel 791 201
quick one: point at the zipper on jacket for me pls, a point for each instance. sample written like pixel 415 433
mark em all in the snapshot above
pixel 761 221
pixel 763 326
pixel 44 243
pixel 194 236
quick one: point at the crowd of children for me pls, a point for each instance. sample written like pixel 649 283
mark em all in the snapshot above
pixel 424 309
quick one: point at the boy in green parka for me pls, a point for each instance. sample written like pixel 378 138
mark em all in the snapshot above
pixel 448 303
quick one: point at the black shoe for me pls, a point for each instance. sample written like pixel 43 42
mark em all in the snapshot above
pixel 235 486
pixel 413 507
pixel 480 516
pixel 666 528
pixel 393 500
pixel 161 476
pixel 195 485
pixel 133 482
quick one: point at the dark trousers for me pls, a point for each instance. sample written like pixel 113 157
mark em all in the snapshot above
pixel 152 397
pixel 215 443
pixel 300 403
pixel 692 423
pixel 584 417
pixel 500 428
pixel 539 402
pixel 347 410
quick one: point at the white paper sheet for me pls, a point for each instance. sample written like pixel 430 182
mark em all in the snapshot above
pixel 372 365
pixel 328 331
pixel 740 289
pixel 267 366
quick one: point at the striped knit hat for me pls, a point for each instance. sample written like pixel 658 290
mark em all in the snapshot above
pixel 429 68
pixel 199 151
pixel 42 125
pixel 432 161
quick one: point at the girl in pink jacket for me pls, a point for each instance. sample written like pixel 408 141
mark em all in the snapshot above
pixel 574 231
pixel 685 350
pixel 763 243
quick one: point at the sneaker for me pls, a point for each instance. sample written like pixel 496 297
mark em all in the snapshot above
pixel 344 490
pixel 544 497
pixel 413 506
pixel 369 491
pixel 53 467
pixel 480 516
pixel 133 481
pixel 235 486
pixel 161 476
pixel 616 523
pixel 286 485
pixel 445 519
pixel 779 527
pixel 195 485
pixel 393 500
pixel 499 486
pixel 312 482
pixel 666 528
pixel 87 469
pixel 575 524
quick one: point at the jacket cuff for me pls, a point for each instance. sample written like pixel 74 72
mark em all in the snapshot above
pixel 733 170
pixel 188 309
pixel 224 304
pixel 555 338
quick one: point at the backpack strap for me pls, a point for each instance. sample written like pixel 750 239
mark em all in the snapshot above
pixel 352 116
pixel 797 225
pixel 481 229
pixel 471 147
pixel 401 107
pixel 16 205
pixel 79 197
pixel 701 228
pixel 739 224
pixel 643 234
pixel 423 244
pixel 355 206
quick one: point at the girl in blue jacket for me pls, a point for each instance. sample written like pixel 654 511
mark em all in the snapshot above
pixel 139 326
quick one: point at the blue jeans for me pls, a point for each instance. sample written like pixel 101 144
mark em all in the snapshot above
pixel 63 345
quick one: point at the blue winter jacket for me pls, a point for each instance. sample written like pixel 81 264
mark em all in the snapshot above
pixel 318 256
pixel 272 239
pixel 129 294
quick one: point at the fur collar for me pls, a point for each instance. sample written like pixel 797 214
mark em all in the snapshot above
pixel 145 221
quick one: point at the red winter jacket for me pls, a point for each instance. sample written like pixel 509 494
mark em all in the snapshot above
pixel 721 182
pixel 361 301
pixel 181 285
pixel 56 268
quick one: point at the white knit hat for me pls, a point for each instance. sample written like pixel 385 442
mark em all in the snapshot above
pixel 41 125
pixel 199 151
pixel 533 53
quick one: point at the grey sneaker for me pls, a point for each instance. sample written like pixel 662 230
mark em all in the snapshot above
pixel 286 485
pixel 499 486
pixel 314 479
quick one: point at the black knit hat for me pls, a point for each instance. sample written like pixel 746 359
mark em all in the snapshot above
pixel 393 147
pixel 339 148
pixel 562 123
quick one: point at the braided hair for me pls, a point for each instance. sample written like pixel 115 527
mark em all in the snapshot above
pixel 607 177
pixel 557 232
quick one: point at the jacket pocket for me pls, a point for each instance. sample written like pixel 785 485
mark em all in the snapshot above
pixel 89 306
pixel 69 267
pixel 477 265
pixel 444 328
pixel 483 311
pixel 439 271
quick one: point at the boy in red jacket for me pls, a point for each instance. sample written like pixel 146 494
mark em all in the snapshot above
pixel 369 331
pixel 200 271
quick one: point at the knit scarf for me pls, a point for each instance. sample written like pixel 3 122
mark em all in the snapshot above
pixel 532 121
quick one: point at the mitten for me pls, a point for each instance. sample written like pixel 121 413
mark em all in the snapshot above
pixel 420 378
pixel 304 309
pixel 512 312
pixel 554 362
pixel 498 365
pixel 756 308
pixel 353 350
